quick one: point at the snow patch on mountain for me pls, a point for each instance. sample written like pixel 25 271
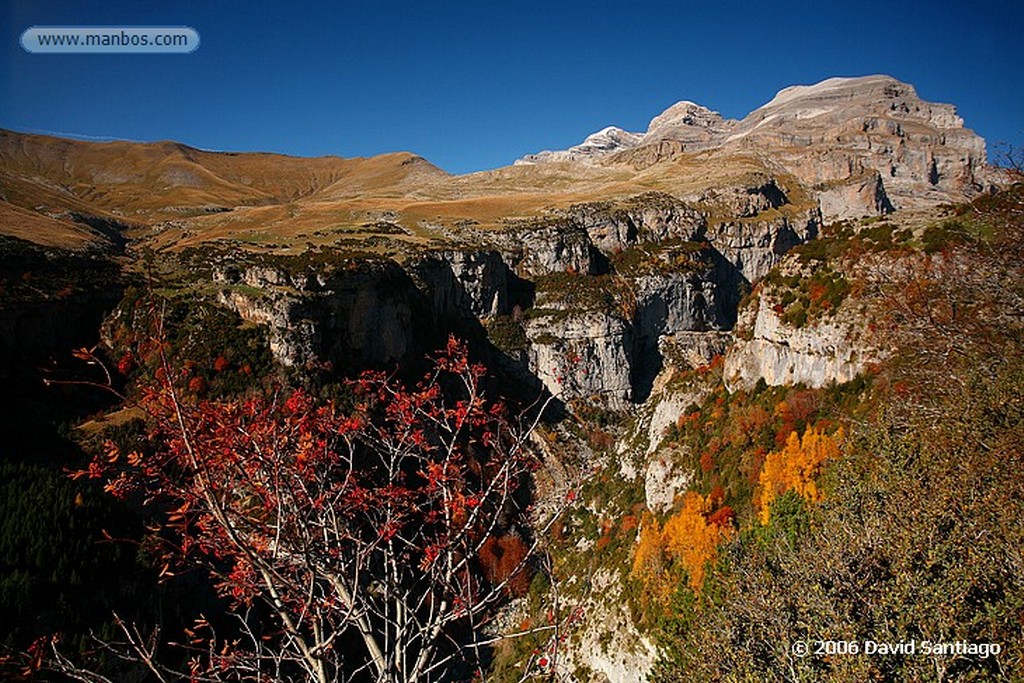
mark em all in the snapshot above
pixel 605 141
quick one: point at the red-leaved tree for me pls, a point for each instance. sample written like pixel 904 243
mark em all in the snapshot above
pixel 349 542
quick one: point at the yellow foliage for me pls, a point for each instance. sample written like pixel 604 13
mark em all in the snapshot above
pixel 781 409
pixel 687 538
pixel 648 557
pixel 690 538
pixel 796 467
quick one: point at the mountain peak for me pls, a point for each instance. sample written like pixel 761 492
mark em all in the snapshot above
pixel 608 140
pixel 686 113
pixel 840 87
pixel 692 124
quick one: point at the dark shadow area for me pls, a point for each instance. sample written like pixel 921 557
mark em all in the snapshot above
pixel 521 292
pixel 60 572
pixel 648 322
pixel 110 230
pixel 52 302
pixel 600 264
pixel 772 193
pixel 730 287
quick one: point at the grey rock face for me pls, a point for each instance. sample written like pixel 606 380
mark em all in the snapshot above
pixel 607 229
pixel 652 217
pixel 662 483
pixel 581 355
pixel 816 355
pixel 747 200
pixel 553 249
pixel 466 283
pixel 755 246
pixel 856 197
pixel 359 317
pixel 678 302
pixel 609 644
pixel 293 339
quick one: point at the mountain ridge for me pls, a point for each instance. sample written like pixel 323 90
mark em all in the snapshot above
pixel 850 146
pixel 804 123
pixel 689 113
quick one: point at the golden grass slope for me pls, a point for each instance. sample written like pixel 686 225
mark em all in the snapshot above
pixel 172 196
pixel 48 232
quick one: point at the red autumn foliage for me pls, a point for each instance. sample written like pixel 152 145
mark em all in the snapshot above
pixel 503 560
pixel 722 517
pixel 707 461
pixel 816 290
pixel 361 525
pixel 717 495
pixel 125 363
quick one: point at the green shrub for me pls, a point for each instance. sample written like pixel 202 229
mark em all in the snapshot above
pixel 946 234
pixel 807 299
pixel 507 334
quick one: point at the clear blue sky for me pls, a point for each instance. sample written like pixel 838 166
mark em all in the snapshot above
pixel 473 85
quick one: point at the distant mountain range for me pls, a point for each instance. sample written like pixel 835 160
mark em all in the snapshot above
pixel 824 133
pixel 852 146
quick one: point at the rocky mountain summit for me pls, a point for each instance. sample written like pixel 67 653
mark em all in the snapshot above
pixel 603 142
pixel 862 144
pixel 847 147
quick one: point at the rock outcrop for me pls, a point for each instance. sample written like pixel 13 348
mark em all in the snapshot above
pixel 557 248
pixel 854 197
pixel 465 283
pixel 615 652
pixel 581 302
pixel 360 317
pixel 583 354
pixel 815 354
pixel 845 127
pixel 754 246
pixel 650 217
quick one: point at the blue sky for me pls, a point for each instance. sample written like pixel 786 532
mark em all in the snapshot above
pixel 473 85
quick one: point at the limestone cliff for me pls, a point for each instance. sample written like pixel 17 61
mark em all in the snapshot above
pixel 363 316
pixel 844 127
pixel 581 303
pixel 816 354
pixel 583 354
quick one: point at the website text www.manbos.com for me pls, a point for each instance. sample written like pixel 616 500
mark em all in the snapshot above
pixel 125 39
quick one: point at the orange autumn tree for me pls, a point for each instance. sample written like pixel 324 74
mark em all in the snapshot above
pixel 795 468
pixel 689 540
